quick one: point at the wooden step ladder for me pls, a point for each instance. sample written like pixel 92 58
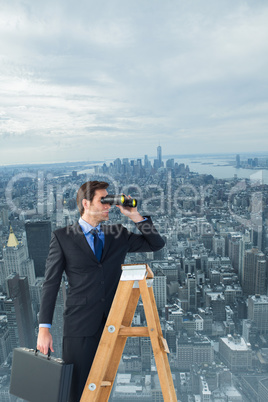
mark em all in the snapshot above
pixel 136 280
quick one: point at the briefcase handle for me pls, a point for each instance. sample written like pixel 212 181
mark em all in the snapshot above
pixel 48 354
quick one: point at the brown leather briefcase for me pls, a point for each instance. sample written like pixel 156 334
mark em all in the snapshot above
pixel 39 378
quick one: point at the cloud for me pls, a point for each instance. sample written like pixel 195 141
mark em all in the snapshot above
pixel 117 74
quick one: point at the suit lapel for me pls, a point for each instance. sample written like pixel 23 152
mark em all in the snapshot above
pixel 81 241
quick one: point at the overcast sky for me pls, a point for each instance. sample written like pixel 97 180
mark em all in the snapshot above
pixel 88 80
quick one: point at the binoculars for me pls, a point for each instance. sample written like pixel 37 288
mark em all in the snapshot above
pixel 119 200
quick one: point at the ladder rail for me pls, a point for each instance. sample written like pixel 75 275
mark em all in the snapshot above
pixel 114 362
pixel 107 341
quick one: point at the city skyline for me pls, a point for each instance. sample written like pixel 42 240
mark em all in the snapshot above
pixel 210 281
pixel 95 81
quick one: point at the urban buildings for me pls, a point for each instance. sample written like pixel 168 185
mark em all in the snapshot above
pixel 258 312
pixel 254 279
pixel 235 353
pixel 210 279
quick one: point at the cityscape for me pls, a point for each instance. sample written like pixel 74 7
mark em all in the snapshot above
pixel 167 102
pixel 210 279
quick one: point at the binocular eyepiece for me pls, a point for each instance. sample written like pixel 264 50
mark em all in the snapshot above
pixel 119 200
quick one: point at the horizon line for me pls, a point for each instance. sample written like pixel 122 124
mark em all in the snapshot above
pixel 138 157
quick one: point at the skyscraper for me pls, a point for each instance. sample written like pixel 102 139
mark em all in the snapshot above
pixel 159 155
pixel 160 289
pixel 5 342
pixel 234 251
pixel 146 161
pixel 218 243
pixel 245 244
pixel 19 312
pixel 146 354
pixel 57 325
pixel 254 275
pixel 158 161
pixel 16 259
pixel 258 312
pixel 192 296
pixel 38 239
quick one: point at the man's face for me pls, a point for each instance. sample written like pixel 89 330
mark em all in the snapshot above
pixel 95 210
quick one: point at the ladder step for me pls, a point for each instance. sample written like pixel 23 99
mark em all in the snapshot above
pixel 106 383
pixel 134 331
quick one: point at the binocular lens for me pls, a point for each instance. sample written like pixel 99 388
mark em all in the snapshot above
pixel 119 200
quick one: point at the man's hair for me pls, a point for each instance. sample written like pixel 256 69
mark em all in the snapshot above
pixel 87 191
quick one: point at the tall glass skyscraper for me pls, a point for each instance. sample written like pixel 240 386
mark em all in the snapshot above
pixel 38 238
pixel 159 155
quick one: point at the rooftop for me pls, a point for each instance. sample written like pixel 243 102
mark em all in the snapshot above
pixel 237 344
pixel 259 299
pixel 12 240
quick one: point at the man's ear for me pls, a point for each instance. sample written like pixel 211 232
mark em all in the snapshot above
pixel 85 203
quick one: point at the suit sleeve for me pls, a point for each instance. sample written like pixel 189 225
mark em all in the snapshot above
pixel 55 265
pixel 148 240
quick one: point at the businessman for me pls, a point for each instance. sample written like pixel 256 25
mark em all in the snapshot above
pixel 91 255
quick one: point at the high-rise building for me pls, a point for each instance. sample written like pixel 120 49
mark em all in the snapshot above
pixel 57 325
pixel 132 346
pixel 194 350
pixel 216 301
pixel 38 240
pixel 5 342
pixel 16 259
pixel 146 354
pixel 4 216
pixel 257 232
pixel 19 312
pixel 218 244
pixel 35 294
pixel 192 295
pixel 245 244
pixel 159 155
pixel 2 275
pixel 234 251
pixel 204 390
pixel 170 164
pixel 235 353
pixel 158 161
pixel 254 275
pixel 207 316
pixel 169 269
pixel 263 390
pixel 258 312
pixel 160 289
pixel 117 165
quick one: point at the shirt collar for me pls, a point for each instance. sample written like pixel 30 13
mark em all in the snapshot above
pixel 86 227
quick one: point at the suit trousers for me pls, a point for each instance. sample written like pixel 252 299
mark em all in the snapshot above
pixel 80 351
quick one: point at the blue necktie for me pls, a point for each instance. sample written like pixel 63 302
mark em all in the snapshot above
pixel 98 245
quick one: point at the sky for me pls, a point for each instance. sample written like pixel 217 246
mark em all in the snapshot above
pixel 93 80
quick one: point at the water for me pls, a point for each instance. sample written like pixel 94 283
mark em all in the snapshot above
pixel 220 168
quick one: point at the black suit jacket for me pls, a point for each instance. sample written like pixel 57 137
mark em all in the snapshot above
pixel 92 283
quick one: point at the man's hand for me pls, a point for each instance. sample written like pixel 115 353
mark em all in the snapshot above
pixel 44 341
pixel 130 212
